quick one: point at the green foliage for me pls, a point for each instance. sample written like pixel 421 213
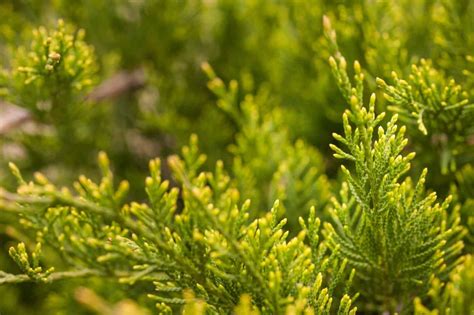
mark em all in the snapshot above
pixel 50 78
pixel 440 109
pixel 58 63
pixel 395 234
pixel 210 246
pixel 197 236
pixel 453 297
pixel 266 164
pixel 465 193
pixel 454 39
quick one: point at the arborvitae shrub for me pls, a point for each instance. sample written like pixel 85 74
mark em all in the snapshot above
pixel 316 187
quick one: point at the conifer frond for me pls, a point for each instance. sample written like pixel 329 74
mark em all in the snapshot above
pixel 241 210
pixel 209 245
pixel 56 66
pixel 453 296
pixel 267 165
pixel 394 233
pixel 439 107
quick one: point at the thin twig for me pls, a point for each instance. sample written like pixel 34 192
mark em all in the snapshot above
pixel 12 116
pixel 120 83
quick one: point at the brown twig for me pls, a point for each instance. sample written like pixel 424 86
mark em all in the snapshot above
pixel 120 83
pixel 12 116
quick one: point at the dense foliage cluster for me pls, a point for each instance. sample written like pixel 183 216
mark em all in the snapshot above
pixel 327 168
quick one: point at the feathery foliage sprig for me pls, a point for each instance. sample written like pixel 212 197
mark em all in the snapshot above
pixel 266 164
pixel 394 234
pixel 210 246
pixel 452 297
pixel 439 107
pixel 48 79
pixel 55 69
pixel 193 234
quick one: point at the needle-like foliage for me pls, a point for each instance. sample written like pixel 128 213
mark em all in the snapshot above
pixel 453 296
pixel 260 218
pixel 395 234
pixel 208 245
pixel 266 164
pixel 440 109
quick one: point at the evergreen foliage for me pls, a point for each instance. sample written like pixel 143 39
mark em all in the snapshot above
pixel 438 106
pixel 388 227
pixel 266 214
pixel 266 165
pixel 210 247
pixel 453 297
